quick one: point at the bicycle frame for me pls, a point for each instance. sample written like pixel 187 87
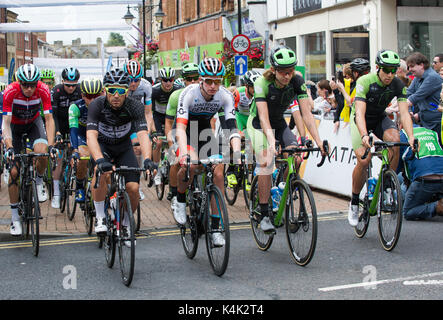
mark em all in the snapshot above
pixel 281 207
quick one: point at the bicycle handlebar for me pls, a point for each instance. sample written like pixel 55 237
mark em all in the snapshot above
pixel 310 149
pixel 98 173
pixel 389 144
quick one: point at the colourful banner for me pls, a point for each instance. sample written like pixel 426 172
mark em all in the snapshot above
pixel 177 58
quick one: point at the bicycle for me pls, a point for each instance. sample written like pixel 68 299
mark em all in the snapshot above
pixel 163 168
pixel 297 202
pixel 28 205
pixel 387 200
pixel 67 184
pixel 202 197
pixel 119 235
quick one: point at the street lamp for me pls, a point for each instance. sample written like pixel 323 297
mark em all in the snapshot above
pixel 159 15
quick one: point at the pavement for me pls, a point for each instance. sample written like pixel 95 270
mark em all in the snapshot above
pixel 156 214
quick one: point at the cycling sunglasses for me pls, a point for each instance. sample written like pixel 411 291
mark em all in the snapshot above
pixel 210 82
pixel 195 78
pixel 389 70
pixel 113 90
pixel 29 84
pixel 69 85
pixel 167 79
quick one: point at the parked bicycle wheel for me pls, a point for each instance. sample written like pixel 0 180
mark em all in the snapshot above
pixel 217 221
pixel 390 210
pixel 126 243
pixel 263 240
pixel 301 222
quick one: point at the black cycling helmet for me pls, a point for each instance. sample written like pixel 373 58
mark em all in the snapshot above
pixel 70 74
pixel 360 65
pixel 116 77
pixel 283 57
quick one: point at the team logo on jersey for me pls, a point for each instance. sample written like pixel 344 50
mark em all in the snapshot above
pixel 303 87
pixel 404 92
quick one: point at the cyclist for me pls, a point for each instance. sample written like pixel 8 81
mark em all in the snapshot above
pixel 374 92
pixel 48 78
pixel 111 120
pixel 190 76
pixel 198 103
pixel 140 89
pixel 274 92
pixel 78 116
pixel 29 92
pixel 160 96
pixel 63 95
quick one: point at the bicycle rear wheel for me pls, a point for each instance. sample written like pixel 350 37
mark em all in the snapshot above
pixel 189 231
pixel 263 240
pixel 217 221
pixel 126 240
pixel 33 218
pixel 137 218
pixel 390 207
pixel 363 218
pixel 301 222
pixel 89 213
pixel 70 194
pixel 231 192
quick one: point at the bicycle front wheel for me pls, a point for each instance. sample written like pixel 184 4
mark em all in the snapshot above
pixel 33 218
pixel 231 191
pixel 70 194
pixel 301 222
pixel 363 218
pixel 390 207
pixel 126 241
pixel 217 225
pixel 89 212
pixel 263 240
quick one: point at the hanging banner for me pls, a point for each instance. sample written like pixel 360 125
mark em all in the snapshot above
pixel 11 70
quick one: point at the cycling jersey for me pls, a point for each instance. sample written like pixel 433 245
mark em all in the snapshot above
pixel 115 126
pixel 78 117
pixel 242 102
pixel 171 110
pixel 194 107
pixel 142 93
pixel 160 98
pixel 278 99
pixel 24 110
pixel 61 101
pixel 377 96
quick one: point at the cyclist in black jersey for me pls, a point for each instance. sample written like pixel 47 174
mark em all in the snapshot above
pixel 111 120
pixel 63 95
pixel 160 97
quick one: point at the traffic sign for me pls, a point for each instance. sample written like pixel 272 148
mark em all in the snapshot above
pixel 240 43
pixel 241 65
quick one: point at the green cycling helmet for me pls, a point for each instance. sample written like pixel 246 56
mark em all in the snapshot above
pixel 283 57
pixel 189 69
pixel 48 74
pixel 167 72
pixel 387 58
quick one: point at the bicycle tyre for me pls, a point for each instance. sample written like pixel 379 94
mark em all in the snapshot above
pixel 301 222
pixel 126 245
pixel 63 186
pixel 70 194
pixel 34 218
pixel 390 215
pixel 160 188
pixel 247 180
pixel 363 219
pixel 189 231
pixel 218 256
pixel 231 193
pixel 89 213
pixel 137 218
pixel 262 239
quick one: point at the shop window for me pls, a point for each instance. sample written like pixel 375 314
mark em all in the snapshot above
pixel 420 3
pixel 315 56
pixel 424 37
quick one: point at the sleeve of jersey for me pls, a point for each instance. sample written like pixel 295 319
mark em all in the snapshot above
pixel 300 88
pixel 148 95
pixel 184 102
pixel 171 109
pixel 93 115
pixel 8 97
pixel 228 103
pixel 260 89
pixel 74 114
pixel 45 96
pixel 361 89
pixel 236 98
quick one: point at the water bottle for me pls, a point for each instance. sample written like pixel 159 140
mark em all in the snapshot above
pixel 274 174
pixel 276 197
pixel 372 182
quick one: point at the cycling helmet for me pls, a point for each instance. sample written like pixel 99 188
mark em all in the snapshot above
pixel 211 67
pixel 91 86
pixel 48 74
pixel 116 77
pixel 70 74
pixel 360 65
pixel 2 86
pixel 189 69
pixel 250 77
pixel 134 69
pixel 28 73
pixel 167 72
pixel 180 83
pixel 283 57
pixel 387 58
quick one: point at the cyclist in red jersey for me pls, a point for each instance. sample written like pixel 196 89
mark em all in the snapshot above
pixel 21 115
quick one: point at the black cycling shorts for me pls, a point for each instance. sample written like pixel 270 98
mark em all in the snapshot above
pixel 36 133
pixel 159 122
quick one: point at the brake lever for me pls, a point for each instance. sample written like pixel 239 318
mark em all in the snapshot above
pixel 323 157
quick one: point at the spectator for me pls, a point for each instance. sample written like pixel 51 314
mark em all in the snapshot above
pixel 347 71
pixel 441 72
pixel 321 105
pixel 423 198
pixel 437 62
pixel 402 73
pixel 424 92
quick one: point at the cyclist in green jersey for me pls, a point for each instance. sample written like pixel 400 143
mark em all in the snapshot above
pixel 374 92
pixel 273 94
pixel 190 76
pixel 48 78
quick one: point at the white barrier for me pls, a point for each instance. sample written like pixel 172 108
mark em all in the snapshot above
pixel 336 175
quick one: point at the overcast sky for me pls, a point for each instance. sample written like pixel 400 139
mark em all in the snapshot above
pixel 81 14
